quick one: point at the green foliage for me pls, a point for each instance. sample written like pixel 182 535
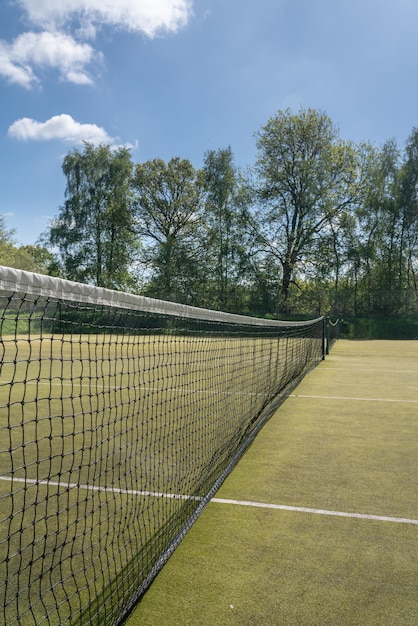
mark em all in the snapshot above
pixel 168 218
pixel 94 229
pixel 316 226
pixel 30 258
pixel 223 244
pixel 379 327
pixel 307 179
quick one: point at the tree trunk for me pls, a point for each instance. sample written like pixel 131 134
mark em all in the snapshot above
pixel 284 291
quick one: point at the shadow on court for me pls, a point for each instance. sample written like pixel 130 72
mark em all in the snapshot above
pixel 318 523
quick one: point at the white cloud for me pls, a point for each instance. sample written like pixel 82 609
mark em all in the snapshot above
pixel 23 59
pixel 21 74
pixel 62 127
pixel 148 16
pixel 45 50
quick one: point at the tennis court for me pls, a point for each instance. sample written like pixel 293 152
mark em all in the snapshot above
pixel 318 523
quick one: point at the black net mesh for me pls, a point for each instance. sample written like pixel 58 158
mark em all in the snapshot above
pixel 116 427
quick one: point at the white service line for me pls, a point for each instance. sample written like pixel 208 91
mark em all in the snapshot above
pixel 134 492
pixel 283 507
pixel 176 496
pixel 297 395
pixel 365 369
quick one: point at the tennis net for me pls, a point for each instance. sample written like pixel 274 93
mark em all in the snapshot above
pixel 120 416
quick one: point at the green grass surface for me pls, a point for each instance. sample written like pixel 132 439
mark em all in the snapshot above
pixel 347 440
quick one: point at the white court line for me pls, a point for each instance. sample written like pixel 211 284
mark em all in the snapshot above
pixel 367 369
pixel 180 389
pixel 296 395
pixel 134 492
pixel 282 507
pixel 176 496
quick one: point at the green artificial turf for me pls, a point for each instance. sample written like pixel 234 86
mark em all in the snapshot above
pixel 346 440
pixel 261 567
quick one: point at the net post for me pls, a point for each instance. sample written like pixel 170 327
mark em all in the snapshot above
pixel 325 336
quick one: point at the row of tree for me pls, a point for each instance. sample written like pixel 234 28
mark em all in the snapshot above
pixel 317 225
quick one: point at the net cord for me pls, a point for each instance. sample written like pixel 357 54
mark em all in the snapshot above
pixel 66 290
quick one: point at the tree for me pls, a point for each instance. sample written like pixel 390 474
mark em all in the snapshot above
pixel 20 257
pixel 372 250
pixel 408 200
pixel 7 244
pixel 41 259
pixel 93 232
pixel 307 177
pixel 168 209
pixel 223 243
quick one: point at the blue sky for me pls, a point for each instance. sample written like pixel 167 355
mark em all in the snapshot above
pixel 180 77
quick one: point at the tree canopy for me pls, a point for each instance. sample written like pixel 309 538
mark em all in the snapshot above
pixel 315 225
pixel 307 179
pixel 29 258
pixel 168 216
pixel 94 230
